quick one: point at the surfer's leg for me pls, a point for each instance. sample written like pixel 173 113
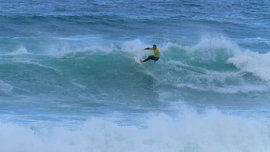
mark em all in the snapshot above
pixel 155 59
pixel 148 58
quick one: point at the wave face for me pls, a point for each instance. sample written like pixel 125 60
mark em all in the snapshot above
pixel 69 81
pixel 97 76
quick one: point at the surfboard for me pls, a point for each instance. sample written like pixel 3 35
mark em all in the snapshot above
pixel 137 60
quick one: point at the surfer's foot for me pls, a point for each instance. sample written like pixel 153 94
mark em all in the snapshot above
pixel 141 60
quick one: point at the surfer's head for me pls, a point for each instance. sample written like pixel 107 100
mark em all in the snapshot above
pixel 154 46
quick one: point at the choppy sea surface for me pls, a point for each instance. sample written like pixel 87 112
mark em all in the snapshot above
pixel 69 82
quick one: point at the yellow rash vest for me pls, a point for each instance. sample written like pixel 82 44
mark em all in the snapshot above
pixel 156 52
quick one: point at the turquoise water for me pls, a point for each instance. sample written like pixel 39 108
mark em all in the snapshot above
pixel 69 82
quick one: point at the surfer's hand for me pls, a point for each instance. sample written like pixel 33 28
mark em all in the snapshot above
pixel 146 48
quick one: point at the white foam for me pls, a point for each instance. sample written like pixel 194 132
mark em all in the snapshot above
pixel 21 50
pixel 253 62
pixel 188 131
pixel 73 81
pixel 59 46
pixel 214 42
pixel 135 47
pixel 246 60
pixel 64 48
pixel 228 89
pixel 28 61
pixel 5 87
pixel 209 80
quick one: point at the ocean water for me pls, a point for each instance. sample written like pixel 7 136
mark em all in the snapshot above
pixel 69 82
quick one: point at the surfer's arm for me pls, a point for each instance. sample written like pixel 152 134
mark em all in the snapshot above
pixel 148 48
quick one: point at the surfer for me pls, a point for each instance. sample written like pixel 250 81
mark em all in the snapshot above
pixel 155 56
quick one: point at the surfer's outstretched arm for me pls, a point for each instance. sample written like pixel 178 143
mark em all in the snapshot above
pixel 147 48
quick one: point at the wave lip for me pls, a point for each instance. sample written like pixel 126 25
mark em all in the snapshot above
pixel 253 62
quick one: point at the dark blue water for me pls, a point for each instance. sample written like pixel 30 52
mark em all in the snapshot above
pixel 69 81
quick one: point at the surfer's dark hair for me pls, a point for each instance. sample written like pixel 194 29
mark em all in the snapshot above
pixel 154 45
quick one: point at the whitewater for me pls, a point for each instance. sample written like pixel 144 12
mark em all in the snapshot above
pixel 69 81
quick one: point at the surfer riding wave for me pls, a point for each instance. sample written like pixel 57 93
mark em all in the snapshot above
pixel 155 56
